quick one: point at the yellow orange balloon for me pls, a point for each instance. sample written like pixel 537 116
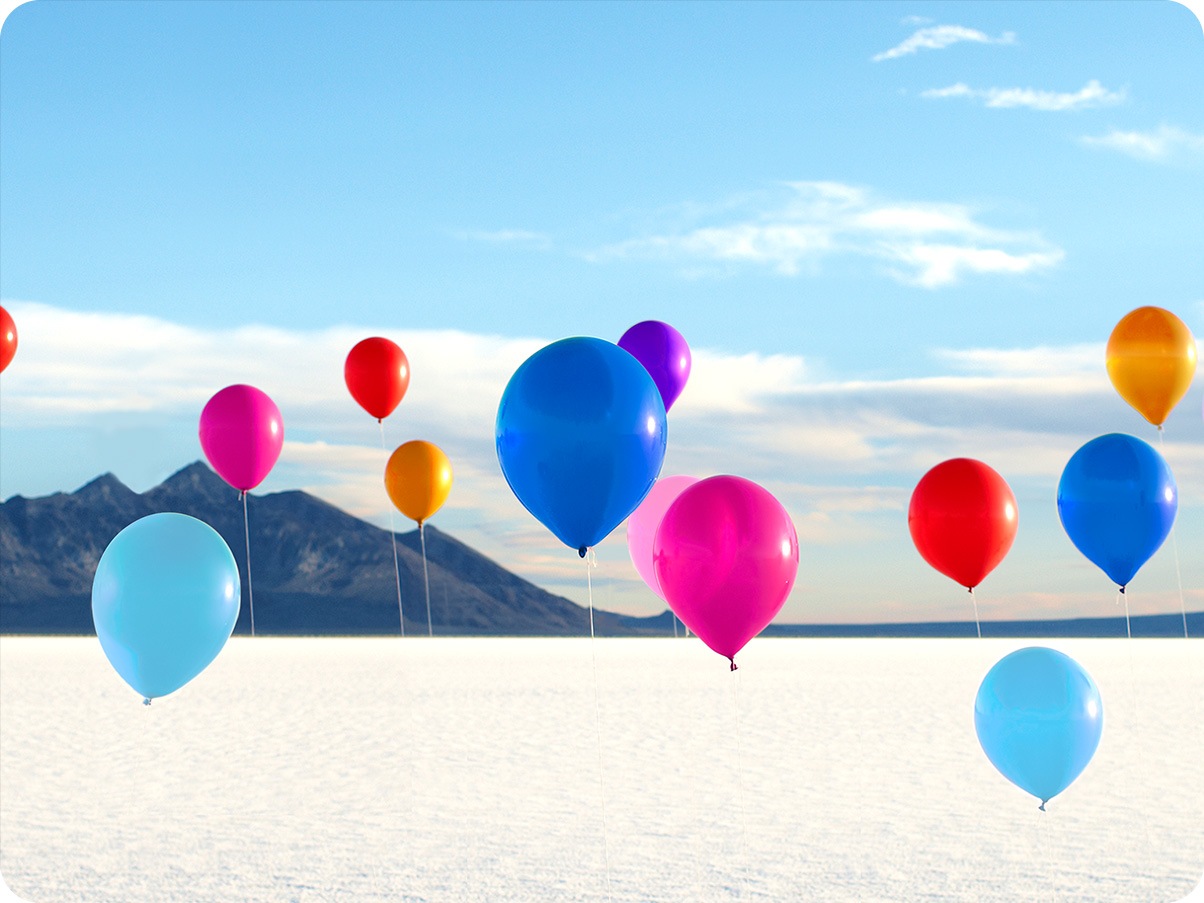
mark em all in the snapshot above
pixel 1151 361
pixel 418 479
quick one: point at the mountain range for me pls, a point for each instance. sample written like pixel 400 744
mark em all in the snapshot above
pixel 318 570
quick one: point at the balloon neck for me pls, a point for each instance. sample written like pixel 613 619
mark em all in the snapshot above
pixel 1042 806
pixel 581 552
pixel 146 700
pixel 1122 590
pixel 733 661
pixel 970 590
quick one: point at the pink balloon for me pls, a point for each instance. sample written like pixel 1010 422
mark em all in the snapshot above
pixel 726 557
pixel 642 524
pixel 242 434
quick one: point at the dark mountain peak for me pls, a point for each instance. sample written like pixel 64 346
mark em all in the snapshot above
pixel 105 486
pixel 196 481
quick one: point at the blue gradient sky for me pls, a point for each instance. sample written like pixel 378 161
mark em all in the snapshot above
pixel 893 233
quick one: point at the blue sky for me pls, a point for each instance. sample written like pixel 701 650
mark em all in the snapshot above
pixel 893 233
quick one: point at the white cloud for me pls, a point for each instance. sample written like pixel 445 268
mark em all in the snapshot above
pixel 521 237
pixel 920 243
pixel 938 37
pixel 1092 94
pixel 1165 144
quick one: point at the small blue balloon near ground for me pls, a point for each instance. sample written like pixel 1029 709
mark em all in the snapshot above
pixel 1039 719
pixel 165 599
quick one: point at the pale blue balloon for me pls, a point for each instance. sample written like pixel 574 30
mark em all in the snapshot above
pixel 1039 719
pixel 164 601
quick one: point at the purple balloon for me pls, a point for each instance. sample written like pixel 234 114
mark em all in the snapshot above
pixel 241 434
pixel 664 354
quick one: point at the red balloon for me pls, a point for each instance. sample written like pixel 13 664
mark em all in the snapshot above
pixel 963 519
pixel 8 338
pixel 377 374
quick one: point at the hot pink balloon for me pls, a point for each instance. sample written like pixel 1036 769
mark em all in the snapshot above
pixel 726 556
pixel 242 434
pixel 644 520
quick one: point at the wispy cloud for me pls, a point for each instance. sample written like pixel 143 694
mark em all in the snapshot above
pixel 1163 145
pixel 1092 94
pixel 938 37
pixel 794 228
pixel 540 241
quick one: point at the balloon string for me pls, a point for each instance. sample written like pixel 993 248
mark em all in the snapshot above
pixel 426 579
pixel 591 562
pixel 246 524
pixel 393 540
pixel 674 617
pixel 1043 846
pixel 1175 549
pixel 977 623
pixel 1135 735
pixel 740 783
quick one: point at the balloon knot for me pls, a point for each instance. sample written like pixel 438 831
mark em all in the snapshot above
pixel 146 700
pixel 1042 806
pixel 581 551
pixel 733 661
pixel 970 590
pixel 1122 590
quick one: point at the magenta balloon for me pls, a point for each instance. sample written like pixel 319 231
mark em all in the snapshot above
pixel 726 556
pixel 242 434
pixel 643 522
pixel 663 352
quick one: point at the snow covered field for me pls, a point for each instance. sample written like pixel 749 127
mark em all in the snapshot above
pixel 468 770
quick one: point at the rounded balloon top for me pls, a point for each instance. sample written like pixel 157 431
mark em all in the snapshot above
pixel 8 339
pixel 377 374
pixel 663 352
pixel 581 437
pixel 1151 360
pixel 1039 718
pixel 963 519
pixel 242 433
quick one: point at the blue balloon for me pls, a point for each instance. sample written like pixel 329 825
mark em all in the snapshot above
pixel 581 437
pixel 164 601
pixel 1117 501
pixel 1039 718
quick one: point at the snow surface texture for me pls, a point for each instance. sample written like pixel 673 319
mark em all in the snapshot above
pixel 468 770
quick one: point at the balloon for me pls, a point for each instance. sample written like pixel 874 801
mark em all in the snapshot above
pixel 418 478
pixel 1151 360
pixel 1117 502
pixel 164 601
pixel 377 374
pixel 1039 717
pixel 8 339
pixel 242 434
pixel 581 437
pixel 726 557
pixel 963 519
pixel 644 521
pixel 663 352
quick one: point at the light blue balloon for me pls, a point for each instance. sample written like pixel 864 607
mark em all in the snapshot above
pixel 164 601
pixel 1117 501
pixel 581 437
pixel 1039 718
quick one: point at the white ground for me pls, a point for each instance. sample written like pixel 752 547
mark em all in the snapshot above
pixel 468 770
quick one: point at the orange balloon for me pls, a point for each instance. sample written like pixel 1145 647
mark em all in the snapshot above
pixel 1151 361
pixel 418 479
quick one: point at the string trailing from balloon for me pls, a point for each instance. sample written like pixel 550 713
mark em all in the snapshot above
pixel 1175 551
pixel 393 542
pixel 591 562
pixel 974 602
pixel 430 630
pixel 740 782
pixel 246 526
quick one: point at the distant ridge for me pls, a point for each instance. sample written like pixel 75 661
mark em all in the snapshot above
pixel 317 570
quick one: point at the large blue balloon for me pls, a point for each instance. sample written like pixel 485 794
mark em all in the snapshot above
pixel 1117 501
pixel 1039 718
pixel 164 601
pixel 581 437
